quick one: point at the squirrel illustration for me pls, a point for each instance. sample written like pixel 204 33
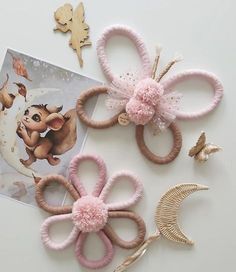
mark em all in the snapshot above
pixel 60 138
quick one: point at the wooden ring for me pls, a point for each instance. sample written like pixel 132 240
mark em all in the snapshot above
pixel 84 97
pixel 42 185
pixel 141 229
pixel 177 144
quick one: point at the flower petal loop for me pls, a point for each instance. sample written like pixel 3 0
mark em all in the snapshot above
pixel 138 187
pixel 45 232
pixel 73 174
pixel 106 259
pixel 141 229
pixel 42 185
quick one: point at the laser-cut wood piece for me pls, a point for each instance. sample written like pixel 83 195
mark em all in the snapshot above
pixel 73 21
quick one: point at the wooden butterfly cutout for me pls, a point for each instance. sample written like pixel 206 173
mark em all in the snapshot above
pixel 201 150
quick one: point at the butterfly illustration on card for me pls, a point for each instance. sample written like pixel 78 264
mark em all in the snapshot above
pixel 202 150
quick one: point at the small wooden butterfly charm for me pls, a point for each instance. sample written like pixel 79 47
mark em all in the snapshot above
pixel 201 150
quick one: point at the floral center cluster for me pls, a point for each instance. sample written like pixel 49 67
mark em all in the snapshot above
pixel 89 214
pixel 142 105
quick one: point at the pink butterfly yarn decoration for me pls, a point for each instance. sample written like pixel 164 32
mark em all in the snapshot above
pixel 143 96
pixel 146 98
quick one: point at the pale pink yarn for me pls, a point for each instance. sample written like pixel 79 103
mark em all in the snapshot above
pixel 90 212
pixel 139 99
pixel 209 77
pixel 134 37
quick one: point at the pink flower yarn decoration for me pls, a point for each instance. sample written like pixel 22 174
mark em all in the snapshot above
pixel 91 212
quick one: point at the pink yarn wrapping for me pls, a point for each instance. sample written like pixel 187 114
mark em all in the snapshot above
pixel 97 263
pixel 140 112
pixel 133 36
pixel 117 178
pixel 204 75
pixel 45 236
pixel 73 170
pixel 90 212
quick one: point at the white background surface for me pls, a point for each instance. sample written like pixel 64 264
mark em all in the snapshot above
pixel 204 32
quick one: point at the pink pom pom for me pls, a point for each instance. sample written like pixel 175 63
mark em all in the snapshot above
pixel 89 214
pixel 138 112
pixel 148 91
pixel 141 107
